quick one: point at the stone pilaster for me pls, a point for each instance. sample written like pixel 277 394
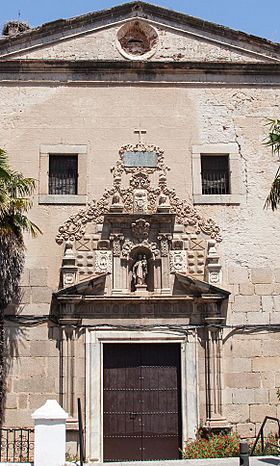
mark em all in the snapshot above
pixel 164 239
pixel 117 279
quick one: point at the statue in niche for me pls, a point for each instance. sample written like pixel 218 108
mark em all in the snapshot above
pixel 140 270
pixel 140 200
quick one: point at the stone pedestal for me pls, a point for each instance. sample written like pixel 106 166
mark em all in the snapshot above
pixel 141 289
pixel 50 437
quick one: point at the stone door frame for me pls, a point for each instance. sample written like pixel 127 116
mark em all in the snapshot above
pixel 96 338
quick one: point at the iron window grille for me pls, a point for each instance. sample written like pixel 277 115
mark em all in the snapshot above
pixel 215 177
pixel 63 174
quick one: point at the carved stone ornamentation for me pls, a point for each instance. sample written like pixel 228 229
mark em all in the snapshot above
pixel 178 261
pixel 69 269
pixel 129 245
pixel 213 266
pixel 117 240
pixel 164 239
pixel 103 261
pixel 140 201
pixel 140 196
pixel 140 229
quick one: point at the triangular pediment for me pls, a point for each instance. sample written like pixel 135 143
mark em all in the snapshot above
pixel 90 286
pixel 200 289
pixel 117 34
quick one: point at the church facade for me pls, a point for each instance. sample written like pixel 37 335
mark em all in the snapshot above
pixel 154 292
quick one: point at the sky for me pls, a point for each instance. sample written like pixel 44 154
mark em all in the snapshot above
pixel 258 17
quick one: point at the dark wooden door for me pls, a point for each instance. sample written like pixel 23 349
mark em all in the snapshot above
pixel 141 402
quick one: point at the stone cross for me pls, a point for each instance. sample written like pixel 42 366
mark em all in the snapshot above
pixel 140 132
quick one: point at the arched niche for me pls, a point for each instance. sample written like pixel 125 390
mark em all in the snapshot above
pixel 135 254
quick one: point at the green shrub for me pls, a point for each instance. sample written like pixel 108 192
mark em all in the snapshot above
pixel 220 445
pixel 271 445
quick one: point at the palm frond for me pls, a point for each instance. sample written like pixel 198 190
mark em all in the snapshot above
pixel 273 198
pixel 273 139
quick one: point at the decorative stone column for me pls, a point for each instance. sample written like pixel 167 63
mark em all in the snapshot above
pixel 214 410
pixel 50 434
pixel 164 239
pixel 68 372
pixel 117 285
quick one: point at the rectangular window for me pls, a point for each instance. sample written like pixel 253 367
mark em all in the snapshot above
pixel 63 174
pixel 215 174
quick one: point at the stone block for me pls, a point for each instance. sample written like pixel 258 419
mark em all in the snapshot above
pixel 257 415
pixel 25 278
pixel 236 413
pixel 247 430
pixel 25 295
pixel 268 379
pixel 267 304
pixel 18 417
pixel 265 364
pixel 36 401
pixel 257 318
pixel 38 385
pixel 274 318
pixel 38 277
pixel 276 288
pixel 276 301
pixel 247 349
pixel 52 366
pixel 246 289
pixel 38 333
pixel 238 365
pixel 271 348
pixel 261 275
pixel 11 401
pixel 43 348
pixel 41 295
pixel 237 275
pixel 237 318
pixel 277 379
pixel 242 396
pixel 261 395
pixel 264 289
pixel 247 304
pixel 22 401
pixel 272 397
pixel 242 380
pixel 277 275
pixel 32 366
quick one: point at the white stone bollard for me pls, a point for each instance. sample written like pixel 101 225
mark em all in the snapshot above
pixel 50 434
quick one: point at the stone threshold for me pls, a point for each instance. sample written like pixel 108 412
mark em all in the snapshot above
pixel 234 461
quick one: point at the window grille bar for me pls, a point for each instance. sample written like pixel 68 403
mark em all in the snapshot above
pixel 215 182
pixel 63 174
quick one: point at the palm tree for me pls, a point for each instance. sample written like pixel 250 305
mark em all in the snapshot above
pixel 273 140
pixel 15 202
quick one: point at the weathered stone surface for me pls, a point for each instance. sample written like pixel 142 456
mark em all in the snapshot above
pixel 257 414
pixel 261 275
pixel 237 275
pixel 247 430
pixel 38 277
pixel 247 380
pixel 41 295
pixel 247 304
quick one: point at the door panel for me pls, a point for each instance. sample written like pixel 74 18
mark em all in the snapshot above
pixel 141 402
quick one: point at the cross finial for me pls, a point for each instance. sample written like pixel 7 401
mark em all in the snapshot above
pixel 140 132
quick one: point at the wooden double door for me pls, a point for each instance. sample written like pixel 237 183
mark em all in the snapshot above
pixel 141 402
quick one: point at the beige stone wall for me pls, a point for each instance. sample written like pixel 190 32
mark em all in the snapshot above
pixel 104 118
pixel 173 45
